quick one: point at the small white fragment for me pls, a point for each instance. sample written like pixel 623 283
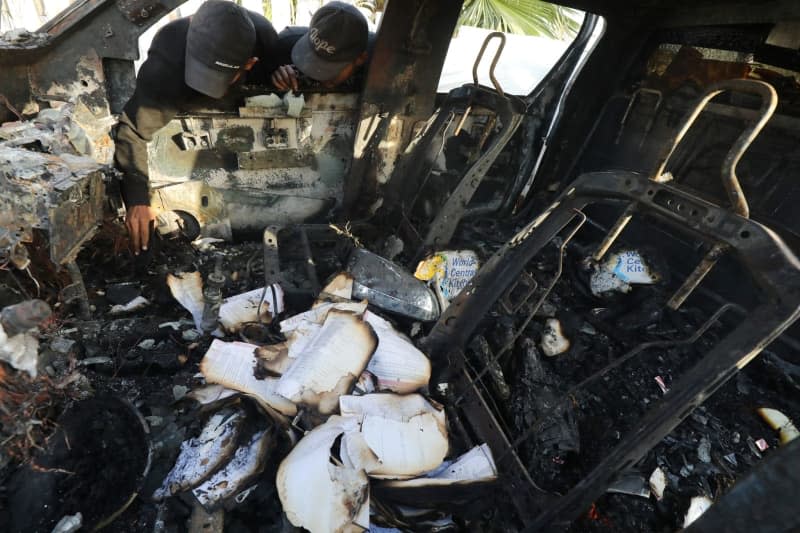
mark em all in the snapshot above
pixel 661 384
pixel 294 104
pixel 154 421
pixel 704 450
pixel 191 335
pixel 241 308
pixel 263 100
pixel 179 391
pixel 658 482
pixel 697 506
pixel 762 445
pixel 147 344
pixel 140 302
pixel 204 244
pixel 69 524
pixel 553 340
pixel 187 289
pixel 778 421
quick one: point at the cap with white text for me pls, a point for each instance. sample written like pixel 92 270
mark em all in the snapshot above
pixel 221 39
pixel 336 37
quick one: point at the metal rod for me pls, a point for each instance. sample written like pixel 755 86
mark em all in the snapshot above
pixel 558 405
pixel 769 101
pixel 511 451
pixel 461 122
pixel 697 275
pixel 311 267
pixel 83 298
pixel 634 97
pixel 614 233
pixel 496 58
pixel 545 294
pixel 699 332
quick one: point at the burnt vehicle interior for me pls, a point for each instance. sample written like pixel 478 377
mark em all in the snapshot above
pixel 623 342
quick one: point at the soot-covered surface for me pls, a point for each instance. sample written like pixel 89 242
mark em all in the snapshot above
pixel 94 465
pixel 565 429
pixel 704 455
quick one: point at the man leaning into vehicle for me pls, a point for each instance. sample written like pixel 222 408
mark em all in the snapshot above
pixel 189 60
pixel 329 51
pixel 202 56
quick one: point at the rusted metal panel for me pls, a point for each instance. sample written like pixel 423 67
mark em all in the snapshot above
pixel 262 168
pixel 286 158
pixel 74 219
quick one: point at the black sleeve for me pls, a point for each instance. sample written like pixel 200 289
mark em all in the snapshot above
pixel 277 54
pixel 153 104
pixel 266 41
pixel 286 40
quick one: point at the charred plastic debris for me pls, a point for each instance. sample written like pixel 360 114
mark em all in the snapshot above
pixel 529 375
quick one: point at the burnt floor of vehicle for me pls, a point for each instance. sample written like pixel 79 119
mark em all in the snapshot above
pixel 567 412
pixel 704 455
pixel 132 356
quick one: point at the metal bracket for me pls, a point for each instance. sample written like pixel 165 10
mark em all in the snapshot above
pixel 140 11
pixel 272 263
pixel 190 142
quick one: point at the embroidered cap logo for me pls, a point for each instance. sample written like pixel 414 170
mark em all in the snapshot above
pixel 319 43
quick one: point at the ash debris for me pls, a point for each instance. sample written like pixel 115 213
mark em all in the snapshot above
pixel 20 38
pixel 319 379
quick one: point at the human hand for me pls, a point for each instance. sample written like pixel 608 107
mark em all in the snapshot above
pixel 137 220
pixel 284 78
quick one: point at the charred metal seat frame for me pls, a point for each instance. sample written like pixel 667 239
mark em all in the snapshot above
pixel 773 266
pixel 507 109
pixel 774 269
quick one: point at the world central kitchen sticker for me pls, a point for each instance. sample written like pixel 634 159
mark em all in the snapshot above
pixel 631 268
pixel 450 271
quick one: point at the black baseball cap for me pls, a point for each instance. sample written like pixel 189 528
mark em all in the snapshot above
pixel 336 37
pixel 221 39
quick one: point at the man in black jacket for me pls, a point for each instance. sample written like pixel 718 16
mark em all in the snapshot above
pixel 329 51
pixel 190 60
